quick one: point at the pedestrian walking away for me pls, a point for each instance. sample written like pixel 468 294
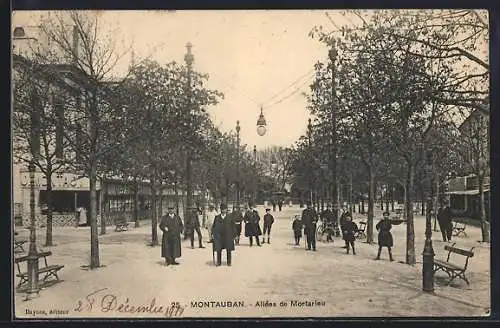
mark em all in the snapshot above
pixel 192 224
pixel 280 205
pixel 445 221
pixel 172 227
pixel 223 235
pixel 268 222
pixel 384 227
pixel 342 221
pixel 328 221
pixel 252 227
pixel 297 229
pixel 238 221
pixel 309 219
pixel 349 231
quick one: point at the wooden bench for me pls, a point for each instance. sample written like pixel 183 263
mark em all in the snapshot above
pixel 48 270
pixel 361 230
pixel 459 229
pixel 453 270
pixel 18 245
pixel 121 224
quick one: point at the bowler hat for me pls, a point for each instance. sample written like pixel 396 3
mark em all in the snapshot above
pixel 223 206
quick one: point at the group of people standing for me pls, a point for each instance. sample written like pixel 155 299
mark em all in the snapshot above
pixel 224 230
pixel 349 229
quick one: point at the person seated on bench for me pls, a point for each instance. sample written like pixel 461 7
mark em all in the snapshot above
pixel 444 220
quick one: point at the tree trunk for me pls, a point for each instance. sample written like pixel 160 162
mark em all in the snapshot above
pixel 104 190
pixel 154 219
pixel 436 200
pixel 48 235
pixel 136 201
pixel 410 229
pixel 392 199
pixel 371 205
pixel 160 205
pixel 177 199
pixel 94 238
pixel 351 206
pixel 482 210
pixel 363 205
pixel 423 202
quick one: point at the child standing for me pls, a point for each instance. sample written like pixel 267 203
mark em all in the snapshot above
pixel 349 229
pixel 268 222
pixel 384 236
pixel 297 229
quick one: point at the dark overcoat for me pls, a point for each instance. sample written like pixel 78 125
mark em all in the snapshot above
pixel 238 221
pixel 172 228
pixel 192 221
pixel 252 227
pixel 309 219
pixel 268 220
pixel 223 233
pixel 297 228
pixel 349 231
pixel 444 215
pixel 384 233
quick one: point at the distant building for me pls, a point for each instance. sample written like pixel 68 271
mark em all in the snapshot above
pixel 463 191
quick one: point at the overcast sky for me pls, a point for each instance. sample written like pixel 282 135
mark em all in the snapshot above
pixel 254 57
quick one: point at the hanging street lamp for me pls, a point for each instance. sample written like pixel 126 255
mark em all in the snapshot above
pixel 261 124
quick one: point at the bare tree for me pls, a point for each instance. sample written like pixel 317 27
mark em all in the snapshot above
pixel 93 56
pixel 39 101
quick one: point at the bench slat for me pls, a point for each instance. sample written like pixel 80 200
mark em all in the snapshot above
pixel 43 270
pixel 459 251
pixel 448 265
pixel 25 257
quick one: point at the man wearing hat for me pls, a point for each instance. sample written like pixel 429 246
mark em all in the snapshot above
pixel 237 219
pixel 172 227
pixel 309 219
pixel 252 227
pixel 268 222
pixel 223 234
pixel 193 224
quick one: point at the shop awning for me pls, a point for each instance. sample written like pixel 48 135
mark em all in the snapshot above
pixel 466 192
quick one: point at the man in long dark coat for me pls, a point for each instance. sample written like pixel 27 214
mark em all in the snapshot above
pixel 309 219
pixel 238 221
pixel 172 227
pixel 223 234
pixel 252 227
pixel 193 224
pixel 445 221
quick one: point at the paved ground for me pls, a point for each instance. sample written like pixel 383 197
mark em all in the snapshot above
pixel 299 283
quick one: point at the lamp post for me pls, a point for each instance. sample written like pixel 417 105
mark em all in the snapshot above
pixel 255 170
pixel 261 124
pixel 32 253
pixel 332 54
pixel 238 163
pixel 189 59
pixel 309 132
pixel 428 253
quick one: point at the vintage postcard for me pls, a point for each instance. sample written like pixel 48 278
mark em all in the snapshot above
pixel 250 164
